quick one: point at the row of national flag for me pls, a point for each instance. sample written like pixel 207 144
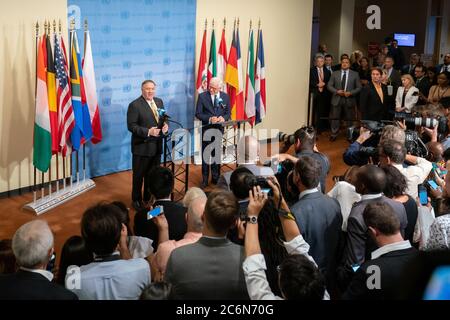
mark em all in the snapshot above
pixel 249 101
pixel 67 114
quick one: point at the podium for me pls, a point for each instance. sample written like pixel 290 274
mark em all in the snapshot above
pixel 231 135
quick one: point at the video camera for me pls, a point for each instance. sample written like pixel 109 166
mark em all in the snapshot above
pixel 288 139
pixel 374 127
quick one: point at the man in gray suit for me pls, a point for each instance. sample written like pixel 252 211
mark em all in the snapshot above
pixel 344 85
pixel 318 216
pixel 210 269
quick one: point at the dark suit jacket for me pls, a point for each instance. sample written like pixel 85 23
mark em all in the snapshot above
pixel 206 110
pixel 319 218
pixel 359 245
pixel 175 215
pixel 353 86
pixel 140 118
pixel 210 269
pixel 370 104
pixel 25 285
pixel 424 87
pixel 314 79
pixel 392 265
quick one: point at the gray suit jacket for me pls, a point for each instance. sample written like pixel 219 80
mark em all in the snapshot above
pixel 353 86
pixel 319 219
pixel 210 269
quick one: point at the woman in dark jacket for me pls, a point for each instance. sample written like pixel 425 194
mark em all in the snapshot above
pixel 373 98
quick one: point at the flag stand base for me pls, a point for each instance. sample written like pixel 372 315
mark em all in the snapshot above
pixel 63 195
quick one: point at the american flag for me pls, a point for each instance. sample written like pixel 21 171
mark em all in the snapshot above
pixel 66 119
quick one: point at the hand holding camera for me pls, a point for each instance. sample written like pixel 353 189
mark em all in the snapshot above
pixel 257 200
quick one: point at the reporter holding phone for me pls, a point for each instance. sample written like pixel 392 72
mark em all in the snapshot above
pixel 407 95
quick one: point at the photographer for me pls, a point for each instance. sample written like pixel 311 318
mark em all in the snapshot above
pixel 359 152
pixel 242 181
pixel 305 145
pixel 298 276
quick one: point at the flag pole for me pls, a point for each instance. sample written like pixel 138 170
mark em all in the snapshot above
pixel 49 26
pixel 35 92
pixel 62 155
pixel 72 30
pixel 84 53
pixel 57 154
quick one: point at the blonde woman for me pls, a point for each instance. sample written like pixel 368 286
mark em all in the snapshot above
pixel 407 95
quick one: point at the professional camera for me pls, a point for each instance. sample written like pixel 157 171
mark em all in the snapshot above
pixel 288 139
pixel 253 181
pixel 374 127
pixel 415 119
pixel 414 145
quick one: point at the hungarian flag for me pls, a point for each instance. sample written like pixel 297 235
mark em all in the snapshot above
pixel 91 91
pixel 212 65
pixel 82 130
pixel 250 82
pixel 231 77
pixel 202 67
pixel 260 80
pixel 222 60
pixel 51 93
pixel 42 140
pixel 66 120
pixel 240 113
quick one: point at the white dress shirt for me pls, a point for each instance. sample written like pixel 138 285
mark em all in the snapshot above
pixel 401 245
pixel 42 272
pixel 255 276
pixel 345 193
pixel 415 175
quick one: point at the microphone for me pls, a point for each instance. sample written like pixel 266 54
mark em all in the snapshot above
pixel 220 103
pixel 163 117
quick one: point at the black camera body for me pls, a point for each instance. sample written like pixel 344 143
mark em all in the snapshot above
pixel 374 127
pixel 288 139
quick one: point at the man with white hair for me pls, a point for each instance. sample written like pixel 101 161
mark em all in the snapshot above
pixel 32 245
pixel 213 108
pixel 194 232
pixel 247 156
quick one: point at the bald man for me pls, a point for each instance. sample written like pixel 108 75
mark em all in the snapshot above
pixel 213 109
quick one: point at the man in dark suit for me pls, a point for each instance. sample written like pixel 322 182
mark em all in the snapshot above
pixel 344 85
pixel 422 83
pixel 370 183
pixel 161 186
pixel 393 82
pixel 445 66
pixel 329 63
pixel 409 68
pixel 213 108
pixel 391 257
pixel 32 245
pixel 211 268
pixel 372 102
pixel 318 78
pixel 144 123
pixel 317 215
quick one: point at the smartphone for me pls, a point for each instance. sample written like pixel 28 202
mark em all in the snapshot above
pixel 155 212
pixel 433 184
pixel 423 196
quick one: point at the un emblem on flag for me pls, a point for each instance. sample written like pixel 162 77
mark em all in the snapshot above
pixel 166 84
pixel 126 88
pixel 106 78
pixel 125 14
pixel 148 51
pixel 126 64
pixel 106 29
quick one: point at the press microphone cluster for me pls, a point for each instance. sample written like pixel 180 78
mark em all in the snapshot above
pixel 163 117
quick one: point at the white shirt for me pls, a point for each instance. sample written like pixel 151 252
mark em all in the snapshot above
pixel 255 265
pixel 401 245
pixel 346 195
pixel 42 272
pixel 140 247
pixel 308 191
pixel 212 98
pixel 415 175
pixel 371 196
